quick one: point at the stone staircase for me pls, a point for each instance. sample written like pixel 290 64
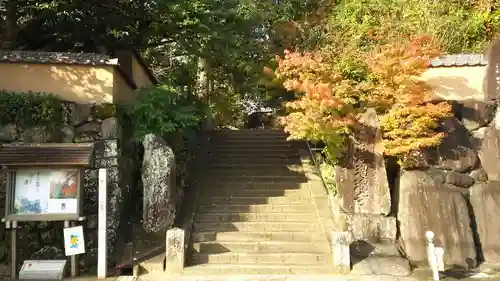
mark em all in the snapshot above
pixel 255 213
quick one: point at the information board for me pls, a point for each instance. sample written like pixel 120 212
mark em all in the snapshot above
pixel 45 192
pixel 42 270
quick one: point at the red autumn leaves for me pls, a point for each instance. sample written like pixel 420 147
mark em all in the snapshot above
pixel 328 104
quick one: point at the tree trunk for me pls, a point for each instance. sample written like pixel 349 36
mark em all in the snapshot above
pixel 10 29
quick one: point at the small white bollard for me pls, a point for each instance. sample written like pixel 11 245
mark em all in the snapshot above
pixel 434 255
pixel 439 258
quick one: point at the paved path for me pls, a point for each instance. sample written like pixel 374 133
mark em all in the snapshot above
pixel 421 277
pixel 417 276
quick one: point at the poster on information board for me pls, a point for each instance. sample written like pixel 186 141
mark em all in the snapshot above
pixel 45 192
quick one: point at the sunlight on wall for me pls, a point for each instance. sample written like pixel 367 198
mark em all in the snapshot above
pixel 457 83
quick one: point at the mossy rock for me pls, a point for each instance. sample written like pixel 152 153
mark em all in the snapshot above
pixel 30 109
pixel 103 111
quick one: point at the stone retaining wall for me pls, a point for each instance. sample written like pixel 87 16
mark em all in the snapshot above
pixel 452 190
pixel 80 123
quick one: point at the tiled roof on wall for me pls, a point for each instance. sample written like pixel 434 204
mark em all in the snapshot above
pixel 56 58
pixel 460 60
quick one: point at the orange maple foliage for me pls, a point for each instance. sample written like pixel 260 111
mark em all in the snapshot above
pixel 327 109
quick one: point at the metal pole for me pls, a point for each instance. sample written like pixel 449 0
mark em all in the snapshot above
pixel 72 259
pixel 102 226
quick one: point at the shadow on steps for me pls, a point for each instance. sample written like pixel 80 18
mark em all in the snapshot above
pixel 255 206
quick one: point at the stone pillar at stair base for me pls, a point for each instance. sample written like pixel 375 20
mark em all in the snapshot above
pixel 340 251
pixel 175 251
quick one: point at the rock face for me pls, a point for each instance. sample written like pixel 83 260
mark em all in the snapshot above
pixel 378 258
pixel 362 178
pixel 425 205
pixel 158 179
pixel 458 179
pixel 485 201
pixel 371 227
pixel 489 153
pixel 381 265
pixel 476 114
pixel 456 152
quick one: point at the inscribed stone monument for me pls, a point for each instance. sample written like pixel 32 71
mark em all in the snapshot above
pixel 158 179
pixel 362 178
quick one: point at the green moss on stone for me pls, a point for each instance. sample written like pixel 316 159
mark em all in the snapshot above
pixel 30 109
pixel 103 111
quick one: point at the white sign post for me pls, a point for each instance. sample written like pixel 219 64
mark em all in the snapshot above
pixel 102 227
pixel 102 248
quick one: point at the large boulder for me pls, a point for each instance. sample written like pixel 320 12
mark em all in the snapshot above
pixel 158 180
pixel 476 113
pixel 381 265
pixel 426 205
pixel 371 227
pixel 485 201
pixel 456 152
pixel 378 258
pixel 361 177
pixel 489 152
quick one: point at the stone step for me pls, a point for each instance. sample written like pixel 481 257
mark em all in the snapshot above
pixel 248 137
pixel 250 142
pixel 220 158
pixel 266 130
pixel 242 236
pixel 261 258
pixel 258 186
pixel 256 152
pixel 217 180
pixel 248 134
pixel 257 226
pixel 248 147
pixel 229 192
pixel 262 166
pixel 239 269
pixel 275 208
pixel 241 139
pixel 253 155
pixel 248 160
pixel 154 264
pixel 252 146
pixel 256 171
pixel 250 175
pixel 254 217
pixel 254 200
pixel 260 247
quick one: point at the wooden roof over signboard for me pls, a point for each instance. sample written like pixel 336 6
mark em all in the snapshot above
pixel 47 154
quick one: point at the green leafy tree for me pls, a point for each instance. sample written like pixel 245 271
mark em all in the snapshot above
pixel 163 111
